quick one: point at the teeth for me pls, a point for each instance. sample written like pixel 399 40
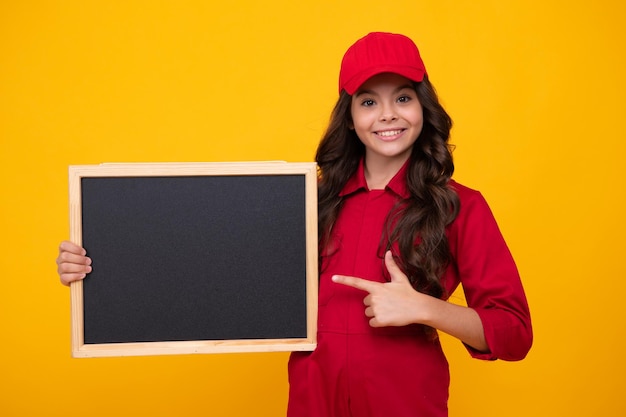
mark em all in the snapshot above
pixel 389 133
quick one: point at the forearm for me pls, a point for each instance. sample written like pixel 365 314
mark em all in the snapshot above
pixel 457 321
pixel 397 303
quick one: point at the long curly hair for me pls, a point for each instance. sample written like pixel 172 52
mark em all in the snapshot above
pixel 416 225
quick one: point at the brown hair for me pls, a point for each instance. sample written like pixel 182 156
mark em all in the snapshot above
pixel 416 224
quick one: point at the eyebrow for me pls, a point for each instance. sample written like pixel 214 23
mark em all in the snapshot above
pixel 402 87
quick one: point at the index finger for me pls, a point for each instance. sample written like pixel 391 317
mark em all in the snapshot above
pixel 358 283
pixel 67 246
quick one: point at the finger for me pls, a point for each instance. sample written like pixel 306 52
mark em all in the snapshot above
pixel 375 323
pixel 71 258
pixel 368 300
pixel 67 279
pixel 358 283
pixel 67 246
pixel 65 268
pixel 394 270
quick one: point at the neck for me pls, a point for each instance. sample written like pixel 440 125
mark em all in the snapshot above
pixel 379 170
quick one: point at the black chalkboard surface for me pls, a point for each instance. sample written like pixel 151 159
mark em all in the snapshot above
pixel 195 258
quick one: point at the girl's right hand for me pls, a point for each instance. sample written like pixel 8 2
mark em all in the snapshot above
pixel 72 263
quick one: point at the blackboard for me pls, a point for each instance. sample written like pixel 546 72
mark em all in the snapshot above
pixel 195 258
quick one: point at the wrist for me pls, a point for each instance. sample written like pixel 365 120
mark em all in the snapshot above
pixel 427 309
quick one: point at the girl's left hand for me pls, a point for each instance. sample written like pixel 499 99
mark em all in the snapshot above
pixel 394 303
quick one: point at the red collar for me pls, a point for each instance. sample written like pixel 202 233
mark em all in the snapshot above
pixel 397 184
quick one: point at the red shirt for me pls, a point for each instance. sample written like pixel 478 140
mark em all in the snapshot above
pixel 358 370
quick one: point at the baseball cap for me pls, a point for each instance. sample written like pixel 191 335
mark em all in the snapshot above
pixel 379 52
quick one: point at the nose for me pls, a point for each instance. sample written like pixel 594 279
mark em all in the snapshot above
pixel 388 114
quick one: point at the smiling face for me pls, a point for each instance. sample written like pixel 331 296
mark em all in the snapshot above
pixel 387 117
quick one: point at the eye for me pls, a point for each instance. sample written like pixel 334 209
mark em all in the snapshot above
pixel 404 99
pixel 367 102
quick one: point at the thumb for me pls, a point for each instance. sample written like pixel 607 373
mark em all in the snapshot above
pixel 394 270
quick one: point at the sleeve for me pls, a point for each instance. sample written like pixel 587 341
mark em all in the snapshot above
pixel 490 280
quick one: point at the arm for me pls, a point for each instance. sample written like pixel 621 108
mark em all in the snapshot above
pixel 497 323
pixel 397 303
pixel 72 263
pixel 487 272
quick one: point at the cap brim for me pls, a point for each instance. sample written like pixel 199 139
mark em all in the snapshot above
pixel 414 74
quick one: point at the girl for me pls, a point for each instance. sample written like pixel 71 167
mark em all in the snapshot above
pixel 397 236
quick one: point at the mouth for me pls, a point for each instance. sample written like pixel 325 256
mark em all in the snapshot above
pixel 389 134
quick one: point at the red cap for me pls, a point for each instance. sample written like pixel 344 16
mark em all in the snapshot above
pixel 376 53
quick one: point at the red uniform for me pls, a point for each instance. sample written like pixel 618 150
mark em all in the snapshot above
pixel 361 371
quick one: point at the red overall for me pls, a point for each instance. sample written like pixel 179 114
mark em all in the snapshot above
pixel 360 371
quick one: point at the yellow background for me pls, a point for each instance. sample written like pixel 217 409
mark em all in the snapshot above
pixel 536 89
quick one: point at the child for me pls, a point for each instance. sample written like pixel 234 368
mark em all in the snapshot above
pixel 397 236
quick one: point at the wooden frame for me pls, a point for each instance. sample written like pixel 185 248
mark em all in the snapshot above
pixel 188 170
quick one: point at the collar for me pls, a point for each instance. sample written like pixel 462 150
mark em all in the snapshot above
pixel 357 181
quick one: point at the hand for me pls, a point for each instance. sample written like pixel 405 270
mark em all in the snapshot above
pixel 394 303
pixel 72 263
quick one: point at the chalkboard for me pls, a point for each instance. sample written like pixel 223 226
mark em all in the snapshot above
pixel 195 258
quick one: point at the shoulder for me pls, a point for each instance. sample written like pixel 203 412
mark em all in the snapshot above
pixel 475 227
pixel 466 194
pixel 473 206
